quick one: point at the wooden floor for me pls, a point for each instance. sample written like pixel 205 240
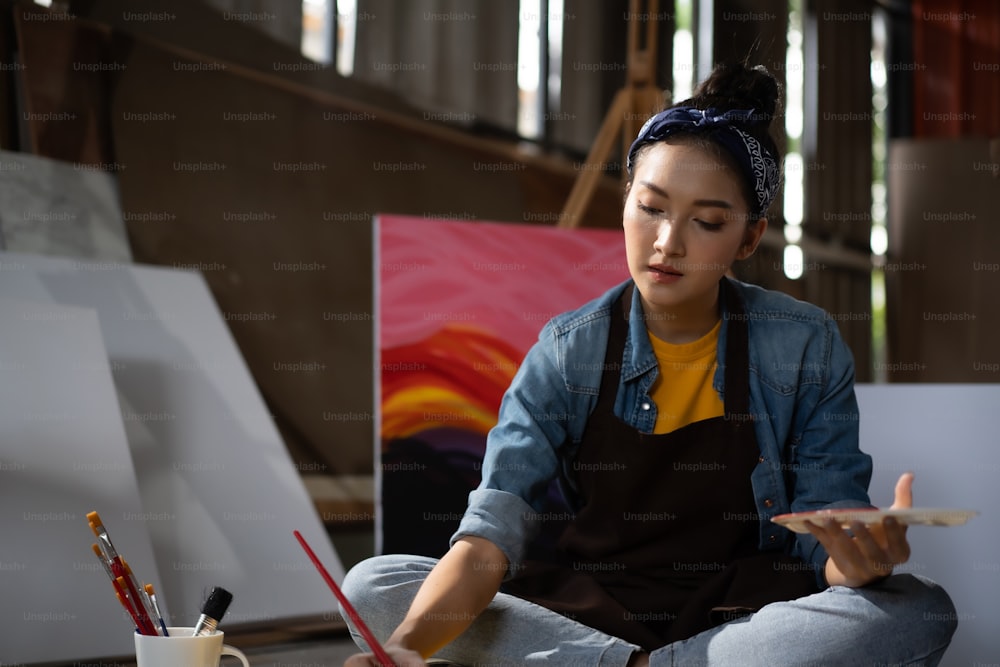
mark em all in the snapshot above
pixel 304 642
pixel 327 652
pixel 313 653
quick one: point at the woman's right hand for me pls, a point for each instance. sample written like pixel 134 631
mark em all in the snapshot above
pixel 459 587
pixel 401 657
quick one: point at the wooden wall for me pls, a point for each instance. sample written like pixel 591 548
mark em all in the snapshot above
pixel 268 186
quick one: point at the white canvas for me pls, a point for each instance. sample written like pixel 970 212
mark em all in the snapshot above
pixel 946 435
pixel 63 454
pixel 220 495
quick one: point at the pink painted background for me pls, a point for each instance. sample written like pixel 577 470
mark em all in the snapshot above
pixel 459 303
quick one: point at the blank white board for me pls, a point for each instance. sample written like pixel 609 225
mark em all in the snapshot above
pixel 220 496
pixel 947 435
pixel 63 453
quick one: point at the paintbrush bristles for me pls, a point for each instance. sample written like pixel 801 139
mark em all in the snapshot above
pixel 217 603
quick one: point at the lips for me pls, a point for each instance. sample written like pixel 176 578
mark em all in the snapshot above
pixel 664 269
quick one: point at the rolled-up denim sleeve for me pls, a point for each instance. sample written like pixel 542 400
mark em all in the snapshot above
pixel 499 517
pixel 831 470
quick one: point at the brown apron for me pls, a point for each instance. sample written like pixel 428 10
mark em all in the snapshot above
pixel 665 543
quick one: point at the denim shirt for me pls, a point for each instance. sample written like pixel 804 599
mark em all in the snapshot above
pixel 801 399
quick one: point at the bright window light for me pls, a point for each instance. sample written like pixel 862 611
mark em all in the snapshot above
pixel 793 204
pixel 794 188
pixel 683 73
pixel 793 262
pixel 793 233
pixel 880 240
pixel 794 65
pixel 317 30
pixel 347 30
pixel 528 66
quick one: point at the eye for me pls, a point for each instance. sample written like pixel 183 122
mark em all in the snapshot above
pixel 709 226
pixel 647 209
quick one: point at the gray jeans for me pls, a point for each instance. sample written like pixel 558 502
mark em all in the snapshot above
pixel 904 620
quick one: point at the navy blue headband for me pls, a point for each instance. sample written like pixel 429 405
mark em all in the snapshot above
pixel 757 163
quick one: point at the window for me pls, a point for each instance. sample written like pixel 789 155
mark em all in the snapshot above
pixel 539 62
pixel 321 20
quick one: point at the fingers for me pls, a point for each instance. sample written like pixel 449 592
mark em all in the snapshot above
pixel 880 547
pixel 896 545
pixel 865 553
pixel 405 658
pixel 842 549
pixel 903 497
pixel 884 545
pixel 400 658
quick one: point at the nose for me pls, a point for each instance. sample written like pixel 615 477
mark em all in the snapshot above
pixel 669 239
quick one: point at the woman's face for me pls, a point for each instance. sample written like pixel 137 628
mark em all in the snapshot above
pixel 686 221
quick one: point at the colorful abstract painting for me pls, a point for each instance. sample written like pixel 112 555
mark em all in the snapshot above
pixel 459 303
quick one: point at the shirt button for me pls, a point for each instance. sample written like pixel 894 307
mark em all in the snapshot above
pixel 646 406
pixel 768 503
pixel 760 459
pixel 772 538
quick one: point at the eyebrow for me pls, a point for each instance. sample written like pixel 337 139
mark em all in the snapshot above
pixel 716 203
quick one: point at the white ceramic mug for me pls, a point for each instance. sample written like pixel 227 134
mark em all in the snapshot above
pixel 181 648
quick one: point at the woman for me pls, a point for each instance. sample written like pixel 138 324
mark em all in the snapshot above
pixel 680 411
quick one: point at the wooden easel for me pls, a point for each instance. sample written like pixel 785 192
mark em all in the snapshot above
pixel 631 106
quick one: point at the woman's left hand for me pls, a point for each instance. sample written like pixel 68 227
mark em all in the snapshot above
pixel 866 553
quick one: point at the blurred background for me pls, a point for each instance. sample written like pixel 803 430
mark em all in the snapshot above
pixel 254 140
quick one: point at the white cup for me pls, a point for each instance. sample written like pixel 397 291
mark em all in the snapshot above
pixel 181 648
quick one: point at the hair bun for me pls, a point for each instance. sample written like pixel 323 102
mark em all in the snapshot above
pixel 736 86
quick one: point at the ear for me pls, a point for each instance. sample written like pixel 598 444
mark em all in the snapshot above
pixel 754 234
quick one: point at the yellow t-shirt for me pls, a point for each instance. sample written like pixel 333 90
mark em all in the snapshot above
pixel 683 391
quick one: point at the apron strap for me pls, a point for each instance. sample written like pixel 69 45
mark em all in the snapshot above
pixel 736 367
pixel 617 336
